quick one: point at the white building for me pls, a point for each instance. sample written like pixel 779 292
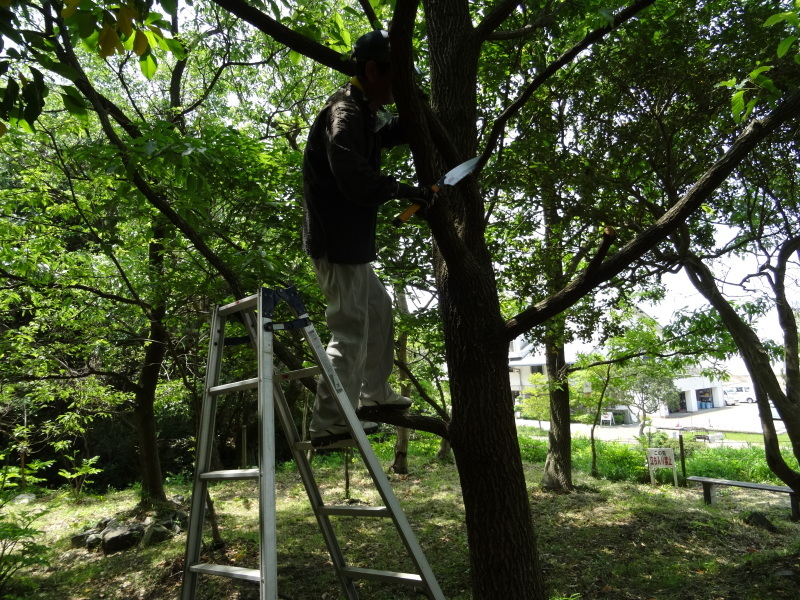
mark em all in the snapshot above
pixel 696 393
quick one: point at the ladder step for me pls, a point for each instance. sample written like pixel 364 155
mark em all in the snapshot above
pixel 230 474
pixel 237 340
pixel 236 386
pixel 227 571
pixel 239 305
pixel 356 511
pixel 375 575
pixel 300 374
pixel 306 445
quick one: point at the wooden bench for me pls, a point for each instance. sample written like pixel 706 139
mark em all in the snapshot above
pixel 710 491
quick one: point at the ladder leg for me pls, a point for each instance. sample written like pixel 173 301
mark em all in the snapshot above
pixel 371 461
pixel 312 490
pixel 205 438
pixel 266 486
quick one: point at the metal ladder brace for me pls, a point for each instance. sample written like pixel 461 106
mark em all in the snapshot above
pixel 257 313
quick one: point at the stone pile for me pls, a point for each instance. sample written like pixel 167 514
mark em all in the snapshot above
pixel 112 536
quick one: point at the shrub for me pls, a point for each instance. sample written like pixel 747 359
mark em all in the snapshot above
pixel 18 546
pixel 741 464
pixel 531 450
pixel 615 461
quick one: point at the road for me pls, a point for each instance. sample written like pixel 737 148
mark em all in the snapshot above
pixel 738 418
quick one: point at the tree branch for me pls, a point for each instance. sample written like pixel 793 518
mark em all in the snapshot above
pixel 291 39
pixel 495 17
pixel 563 60
pixel 403 366
pixel 667 224
pixel 369 12
pixel 402 419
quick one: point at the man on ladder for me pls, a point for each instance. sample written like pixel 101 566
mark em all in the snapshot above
pixel 343 189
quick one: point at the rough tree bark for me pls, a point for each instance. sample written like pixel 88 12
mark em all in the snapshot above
pixel 558 466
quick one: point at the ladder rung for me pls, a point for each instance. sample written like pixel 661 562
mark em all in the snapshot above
pixel 300 373
pixel 353 511
pixel 227 571
pixel 375 575
pixel 239 305
pixel 306 445
pixel 230 474
pixel 237 340
pixel 236 386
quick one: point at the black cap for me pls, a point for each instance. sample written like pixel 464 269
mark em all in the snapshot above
pixel 372 46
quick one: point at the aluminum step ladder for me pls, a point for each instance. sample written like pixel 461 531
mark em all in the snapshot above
pixel 257 312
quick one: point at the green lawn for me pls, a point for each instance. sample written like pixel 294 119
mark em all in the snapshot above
pixel 608 540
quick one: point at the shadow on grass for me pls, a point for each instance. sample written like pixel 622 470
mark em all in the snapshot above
pixel 608 540
pixel 627 541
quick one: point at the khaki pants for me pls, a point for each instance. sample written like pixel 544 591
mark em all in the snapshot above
pixel 361 348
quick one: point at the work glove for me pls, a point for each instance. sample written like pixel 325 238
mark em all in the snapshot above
pixel 424 196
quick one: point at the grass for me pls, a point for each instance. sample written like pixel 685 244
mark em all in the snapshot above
pixel 609 540
pixel 754 438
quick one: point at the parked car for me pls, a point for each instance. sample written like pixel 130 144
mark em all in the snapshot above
pixel 738 394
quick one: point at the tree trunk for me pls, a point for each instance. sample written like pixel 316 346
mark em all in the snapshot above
pixel 400 463
pixel 502 543
pixel 144 412
pixel 445 452
pixel 594 471
pixel 503 555
pixel 558 466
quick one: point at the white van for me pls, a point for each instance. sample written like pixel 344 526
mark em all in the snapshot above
pixel 737 394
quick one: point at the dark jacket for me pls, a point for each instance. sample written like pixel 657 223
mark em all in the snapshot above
pixel 343 186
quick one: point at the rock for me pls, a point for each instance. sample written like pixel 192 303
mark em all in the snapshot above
pixel 758 519
pixel 120 538
pixel 80 540
pixel 24 498
pixel 176 520
pixel 94 541
pixel 107 523
pixel 155 533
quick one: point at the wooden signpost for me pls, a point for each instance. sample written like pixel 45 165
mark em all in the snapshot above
pixel 661 458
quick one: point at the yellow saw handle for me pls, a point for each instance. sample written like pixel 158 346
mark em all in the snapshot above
pixel 407 213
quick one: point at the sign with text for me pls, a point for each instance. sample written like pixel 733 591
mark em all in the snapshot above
pixel 661 458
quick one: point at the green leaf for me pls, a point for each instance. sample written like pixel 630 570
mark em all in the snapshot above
pixel 737 105
pixel 791 17
pixel 170 6
pixel 10 95
pixel 785 44
pixel 59 68
pixel 757 71
pixel 607 15
pixel 767 84
pixel 148 65
pixel 75 106
pixel 22 124
pixel 177 49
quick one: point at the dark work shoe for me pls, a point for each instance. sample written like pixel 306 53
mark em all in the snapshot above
pixel 337 433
